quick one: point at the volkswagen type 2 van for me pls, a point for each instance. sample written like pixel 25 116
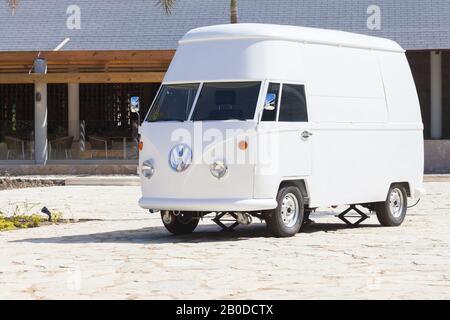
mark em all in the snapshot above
pixel 272 122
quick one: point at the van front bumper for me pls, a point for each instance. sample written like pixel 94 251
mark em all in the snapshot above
pixel 207 204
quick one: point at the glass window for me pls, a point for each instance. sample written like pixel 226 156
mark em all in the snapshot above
pixel 227 100
pixel 271 115
pixel 174 103
pixel 293 103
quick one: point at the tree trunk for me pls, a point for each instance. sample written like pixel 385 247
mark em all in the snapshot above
pixel 233 11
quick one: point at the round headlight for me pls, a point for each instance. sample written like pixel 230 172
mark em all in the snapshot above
pixel 218 169
pixel 147 169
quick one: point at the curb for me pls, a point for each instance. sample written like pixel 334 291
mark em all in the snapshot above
pixel 103 181
pixel 436 178
pixel 42 181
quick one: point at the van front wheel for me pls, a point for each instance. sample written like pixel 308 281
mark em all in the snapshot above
pixel 392 211
pixel 287 218
pixel 181 223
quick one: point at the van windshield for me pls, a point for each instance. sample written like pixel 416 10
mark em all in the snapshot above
pixel 227 101
pixel 174 102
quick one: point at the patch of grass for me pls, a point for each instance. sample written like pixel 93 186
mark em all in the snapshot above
pixel 22 217
pixel 20 221
pixel 56 216
pixel 6 225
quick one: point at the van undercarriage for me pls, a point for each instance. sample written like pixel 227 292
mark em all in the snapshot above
pixel 228 220
pixel 291 213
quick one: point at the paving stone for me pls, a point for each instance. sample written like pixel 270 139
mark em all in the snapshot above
pixel 128 254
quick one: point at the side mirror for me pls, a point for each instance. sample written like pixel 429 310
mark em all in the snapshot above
pixel 269 104
pixel 134 103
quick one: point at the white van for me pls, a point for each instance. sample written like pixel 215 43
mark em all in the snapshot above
pixel 275 121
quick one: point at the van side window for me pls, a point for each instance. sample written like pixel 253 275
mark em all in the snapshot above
pixel 293 103
pixel 271 115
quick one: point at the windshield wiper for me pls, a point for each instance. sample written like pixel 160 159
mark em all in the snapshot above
pixel 206 119
pixel 163 120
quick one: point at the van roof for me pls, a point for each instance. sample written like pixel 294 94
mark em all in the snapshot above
pixel 289 33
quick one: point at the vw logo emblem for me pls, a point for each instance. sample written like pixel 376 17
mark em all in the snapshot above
pixel 180 157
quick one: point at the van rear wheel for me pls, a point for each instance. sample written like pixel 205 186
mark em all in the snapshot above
pixel 287 218
pixel 392 211
pixel 182 222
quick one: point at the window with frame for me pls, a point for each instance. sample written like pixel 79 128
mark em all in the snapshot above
pixel 173 103
pixel 227 101
pixel 293 104
pixel 271 115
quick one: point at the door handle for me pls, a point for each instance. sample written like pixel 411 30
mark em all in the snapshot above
pixel 306 134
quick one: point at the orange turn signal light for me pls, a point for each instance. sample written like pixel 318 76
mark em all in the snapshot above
pixel 140 145
pixel 243 145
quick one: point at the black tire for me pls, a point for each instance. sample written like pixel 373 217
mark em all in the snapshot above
pixel 306 214
pixel 289 227
pixel 392 215
pixel 182 223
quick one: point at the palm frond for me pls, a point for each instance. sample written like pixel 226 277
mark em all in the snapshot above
pixel 166 4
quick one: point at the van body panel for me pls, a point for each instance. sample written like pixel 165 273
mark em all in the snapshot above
pixel 358 154
pixel 401 96
pixel 364 120
pixel 245 31
pixel 218 61
pixel 207 204
pixel 158 140
pixel 281 138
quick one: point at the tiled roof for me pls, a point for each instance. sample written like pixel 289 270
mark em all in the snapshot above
pixel 141 25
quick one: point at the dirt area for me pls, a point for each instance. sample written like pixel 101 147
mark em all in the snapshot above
pixel 20 183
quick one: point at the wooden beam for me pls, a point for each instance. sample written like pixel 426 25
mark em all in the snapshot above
pixel 88 61
pixel 137 55
pixel 100 77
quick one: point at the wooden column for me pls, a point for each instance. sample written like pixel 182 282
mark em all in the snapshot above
pixel 436 94
pixel 74 110
pixel 40 123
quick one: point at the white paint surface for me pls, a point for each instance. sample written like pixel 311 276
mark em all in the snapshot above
pixel 363 112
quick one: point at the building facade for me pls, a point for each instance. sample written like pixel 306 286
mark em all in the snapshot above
pixel 68 70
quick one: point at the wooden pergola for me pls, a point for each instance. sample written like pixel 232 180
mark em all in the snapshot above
pixel 86 66
pixel 77 83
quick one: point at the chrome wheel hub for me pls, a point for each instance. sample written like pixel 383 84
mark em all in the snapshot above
pixel 289 210
pixel 396 202
pixel 167 217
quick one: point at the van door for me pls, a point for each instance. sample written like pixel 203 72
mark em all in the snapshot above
pixel 288 122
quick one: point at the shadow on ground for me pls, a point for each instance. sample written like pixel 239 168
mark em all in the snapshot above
pixel 204 233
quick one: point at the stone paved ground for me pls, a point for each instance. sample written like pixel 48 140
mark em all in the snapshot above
pixel 128 254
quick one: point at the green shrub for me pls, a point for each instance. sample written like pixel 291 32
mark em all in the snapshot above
pixel 21 218
pixel 6 225
pixel 20 222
